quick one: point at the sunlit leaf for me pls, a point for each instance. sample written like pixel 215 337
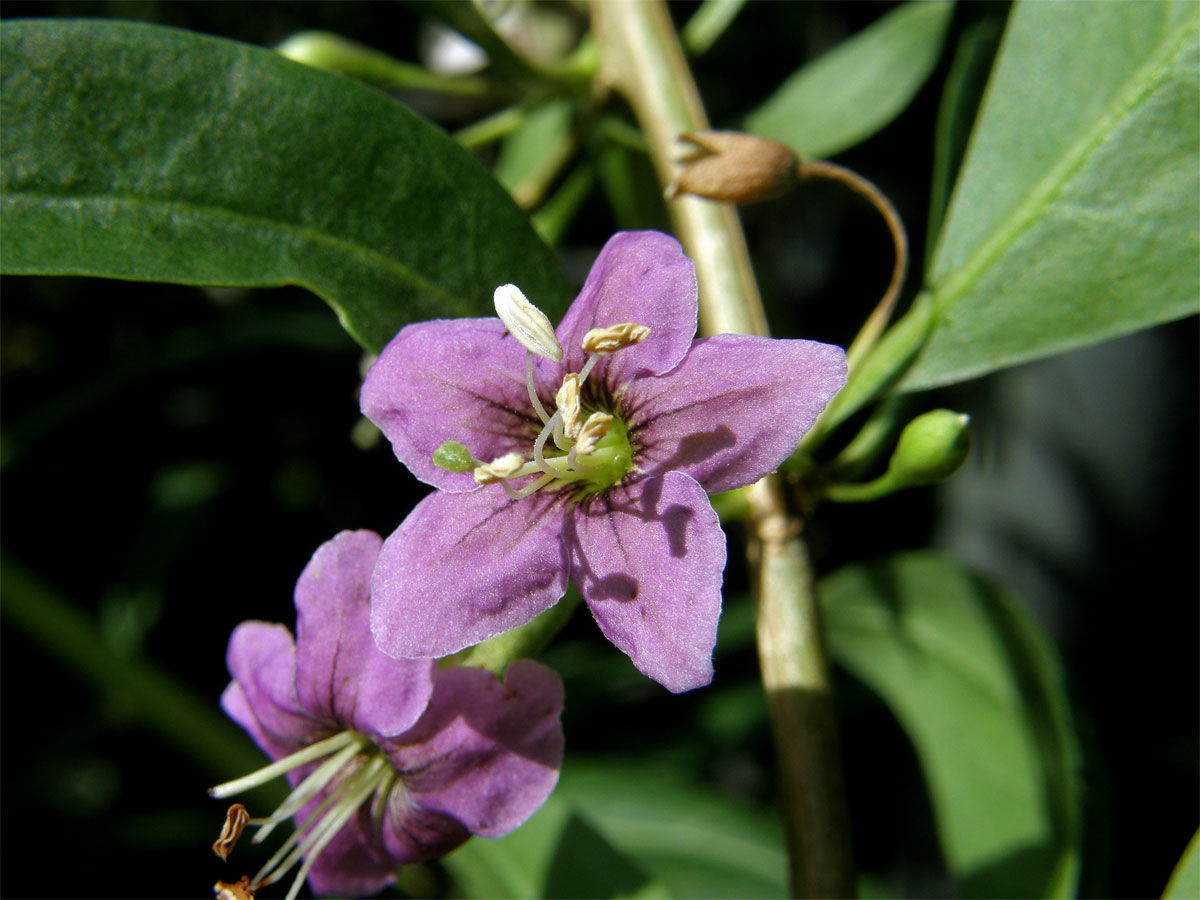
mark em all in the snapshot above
pixel 977 688
pixel 140 152
pixel 1074 218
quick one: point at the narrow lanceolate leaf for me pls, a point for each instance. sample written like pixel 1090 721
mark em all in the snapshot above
pixel 858 87
pixel 146 153
pixel 978 690
pixel 1075 218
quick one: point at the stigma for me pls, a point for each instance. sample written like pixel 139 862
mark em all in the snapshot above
pixel 580 447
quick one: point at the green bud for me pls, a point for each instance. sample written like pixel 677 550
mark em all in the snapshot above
pixel 453 457
pixel 931 448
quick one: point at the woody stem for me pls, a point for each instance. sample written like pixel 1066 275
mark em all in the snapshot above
pixel 644 60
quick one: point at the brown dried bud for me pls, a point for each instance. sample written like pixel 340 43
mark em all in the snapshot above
pixel 734 168
pixel 236 819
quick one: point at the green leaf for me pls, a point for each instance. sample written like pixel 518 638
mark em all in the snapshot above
pixel 146 153
pixel 1185 880
pixel 533 155
pixel 977 688
pixel 1074 218
pixel 707 25
pixel 657 835
pixel 961 95
pixel 858 87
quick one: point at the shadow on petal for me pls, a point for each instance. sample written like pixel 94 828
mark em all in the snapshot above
pixel 692 450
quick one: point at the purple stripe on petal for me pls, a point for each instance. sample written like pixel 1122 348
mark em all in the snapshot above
pixel 485 755
pixel 733 410
pixel 464 567
pixel 451 380
pixel 642 277
pixel 648 560
pixel 340 674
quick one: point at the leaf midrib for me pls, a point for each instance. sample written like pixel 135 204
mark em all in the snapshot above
pixel 368 255
pixel 1143 82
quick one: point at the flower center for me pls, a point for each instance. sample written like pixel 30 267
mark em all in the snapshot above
pixel 353 772
pixel 580 447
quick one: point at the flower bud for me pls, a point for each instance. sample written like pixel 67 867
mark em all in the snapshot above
pixel 453 457
pixel 734 168
pixel 931 448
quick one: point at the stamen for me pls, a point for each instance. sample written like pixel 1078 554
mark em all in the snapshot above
pixel 307 789
pixel 587 369
pixel 539 445
pixel 528 489
pixel 615 337
pixel 567 401
pixel 595 428
pixel 526 322
pixel 241 889
pixel 236 819
pixel 376 781
pixel 498 469
pixel 281 766
pixel 319 829
pixel 533 397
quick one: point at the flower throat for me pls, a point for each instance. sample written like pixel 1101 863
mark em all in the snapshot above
pixel 591 449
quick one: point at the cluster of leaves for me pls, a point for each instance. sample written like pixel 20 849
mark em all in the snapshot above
pixel 1061 215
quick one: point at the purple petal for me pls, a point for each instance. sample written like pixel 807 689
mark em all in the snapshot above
pixel 648 559
pixel 339 672
pixel 642 277
pixel 464 567
pixel 261 660
pixel 486 755
pixel 354 863
pixel 733 410
pixel 451 380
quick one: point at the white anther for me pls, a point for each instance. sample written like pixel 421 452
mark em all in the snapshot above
pixel 526 322
pixel 613 338
pixel 498 469
pixel 595 428
pixel 567 401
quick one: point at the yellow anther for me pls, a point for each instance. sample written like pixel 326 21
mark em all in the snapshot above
pixel 595 428
pixel 499 469
pixel 613 338
pixel 567 401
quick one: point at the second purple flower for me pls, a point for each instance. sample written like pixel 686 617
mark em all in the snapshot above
pixel 585 452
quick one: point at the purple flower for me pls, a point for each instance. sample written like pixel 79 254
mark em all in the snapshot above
pixel 392 761
pixel 609 490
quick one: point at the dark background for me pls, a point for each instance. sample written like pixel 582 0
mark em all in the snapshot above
pixel 172 456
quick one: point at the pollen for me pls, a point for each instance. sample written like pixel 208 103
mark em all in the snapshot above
pixel 526 322
pixel 614 337
pixel 499 469
pixel 593 430
pixel 567 401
